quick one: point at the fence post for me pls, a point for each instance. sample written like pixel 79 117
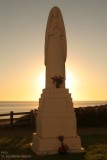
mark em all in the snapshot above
pixel 35 115
pixel 32 117
pixel 11 118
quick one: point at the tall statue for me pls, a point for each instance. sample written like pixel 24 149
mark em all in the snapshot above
pixel 55 48
pixel 49 125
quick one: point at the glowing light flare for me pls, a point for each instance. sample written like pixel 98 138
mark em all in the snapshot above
pixel 71 80
pixel 41 80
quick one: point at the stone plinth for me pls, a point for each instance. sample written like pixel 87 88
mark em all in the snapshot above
pixel 55 117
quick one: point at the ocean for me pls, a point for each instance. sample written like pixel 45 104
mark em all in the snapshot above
pixel 24 106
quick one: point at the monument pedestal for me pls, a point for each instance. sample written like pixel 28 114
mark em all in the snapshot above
pixel 56 117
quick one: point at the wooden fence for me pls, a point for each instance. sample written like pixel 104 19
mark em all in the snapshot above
pixel 19 118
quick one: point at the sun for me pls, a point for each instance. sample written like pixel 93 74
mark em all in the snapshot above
pixel 41 80
pixel 71 81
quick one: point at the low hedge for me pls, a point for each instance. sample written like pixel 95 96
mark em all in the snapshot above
pixel 91 116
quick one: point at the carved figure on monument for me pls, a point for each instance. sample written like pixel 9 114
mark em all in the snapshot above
pixel 55 47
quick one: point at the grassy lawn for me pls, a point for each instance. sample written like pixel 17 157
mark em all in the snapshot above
pixel 19 149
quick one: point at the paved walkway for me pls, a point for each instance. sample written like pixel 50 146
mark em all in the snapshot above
pixel 28 131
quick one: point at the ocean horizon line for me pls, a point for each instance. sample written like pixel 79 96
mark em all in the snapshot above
pixel 21 106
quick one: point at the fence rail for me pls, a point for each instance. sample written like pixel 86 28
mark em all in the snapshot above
pixel 19 118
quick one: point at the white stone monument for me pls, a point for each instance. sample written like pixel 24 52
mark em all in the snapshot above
pixel 56 116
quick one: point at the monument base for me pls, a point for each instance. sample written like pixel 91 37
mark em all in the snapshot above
pixel 50 146
pixel 56 117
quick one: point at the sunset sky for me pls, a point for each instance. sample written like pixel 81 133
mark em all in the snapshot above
pixel 22 37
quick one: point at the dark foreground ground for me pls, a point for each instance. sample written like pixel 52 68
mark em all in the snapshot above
pixel 17 131
pixel 28 130
pixel 16 142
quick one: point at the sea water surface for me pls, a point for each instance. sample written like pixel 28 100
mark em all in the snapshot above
pixel 26 106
